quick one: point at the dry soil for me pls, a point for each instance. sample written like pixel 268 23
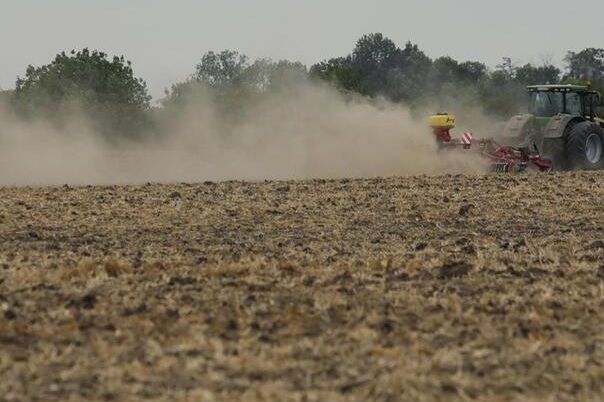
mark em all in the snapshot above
pixel 447 288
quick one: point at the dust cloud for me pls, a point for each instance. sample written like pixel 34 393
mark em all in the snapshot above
pixel 305 130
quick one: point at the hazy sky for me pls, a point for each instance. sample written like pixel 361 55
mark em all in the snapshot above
pixel 165 39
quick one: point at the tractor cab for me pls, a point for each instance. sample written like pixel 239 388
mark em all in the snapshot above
pixel 552 100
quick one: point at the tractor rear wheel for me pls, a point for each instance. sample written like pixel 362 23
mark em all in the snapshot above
pixel 585 146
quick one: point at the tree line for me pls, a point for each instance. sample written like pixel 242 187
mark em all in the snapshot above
pixel 106 91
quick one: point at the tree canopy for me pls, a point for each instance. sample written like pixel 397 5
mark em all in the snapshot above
pixel 5 96
pixel 104 90
pixel 378 67
pixel 230 78
pixel 107 93
pixel 587 64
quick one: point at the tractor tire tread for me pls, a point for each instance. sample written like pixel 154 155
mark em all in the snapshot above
pixel 575 146
pixel 554 151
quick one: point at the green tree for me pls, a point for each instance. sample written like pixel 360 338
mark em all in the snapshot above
pixel 410 78
pixel 229 72
pixel 506 70
pixel 265 75
pixel 501 94
pixel 183 93
pixel 372 59
pixel 452 83
pixel 228 82
pixel 449 73
pixel 531 75
pixel 216 73
pixel 585 65
pixel 220 69
pixel 373 52
pixel 104 90
pixel 445 69
pixel 472 72
pixel 377 67
pixel 6 97
pixel 337 71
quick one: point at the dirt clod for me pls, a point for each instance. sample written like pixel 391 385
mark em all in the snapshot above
pixel 421 246
pixel 10 315
pixel 86 302
pixel 454 269
pixel 464 209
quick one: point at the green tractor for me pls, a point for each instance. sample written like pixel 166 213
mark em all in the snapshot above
pixel 561 127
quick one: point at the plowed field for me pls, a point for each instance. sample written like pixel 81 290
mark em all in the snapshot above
pixel 443 288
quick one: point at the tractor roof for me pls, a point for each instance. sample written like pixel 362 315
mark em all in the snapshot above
pixel 559 88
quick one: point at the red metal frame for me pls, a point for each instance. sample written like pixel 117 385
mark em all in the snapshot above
pixel 502 158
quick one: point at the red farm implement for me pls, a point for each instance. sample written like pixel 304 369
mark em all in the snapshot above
pixel 501 158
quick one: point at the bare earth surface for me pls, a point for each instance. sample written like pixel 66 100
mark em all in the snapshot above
pixel 445 288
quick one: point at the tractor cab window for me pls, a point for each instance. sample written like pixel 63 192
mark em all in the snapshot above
pixel 573 104
pixel 547 104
